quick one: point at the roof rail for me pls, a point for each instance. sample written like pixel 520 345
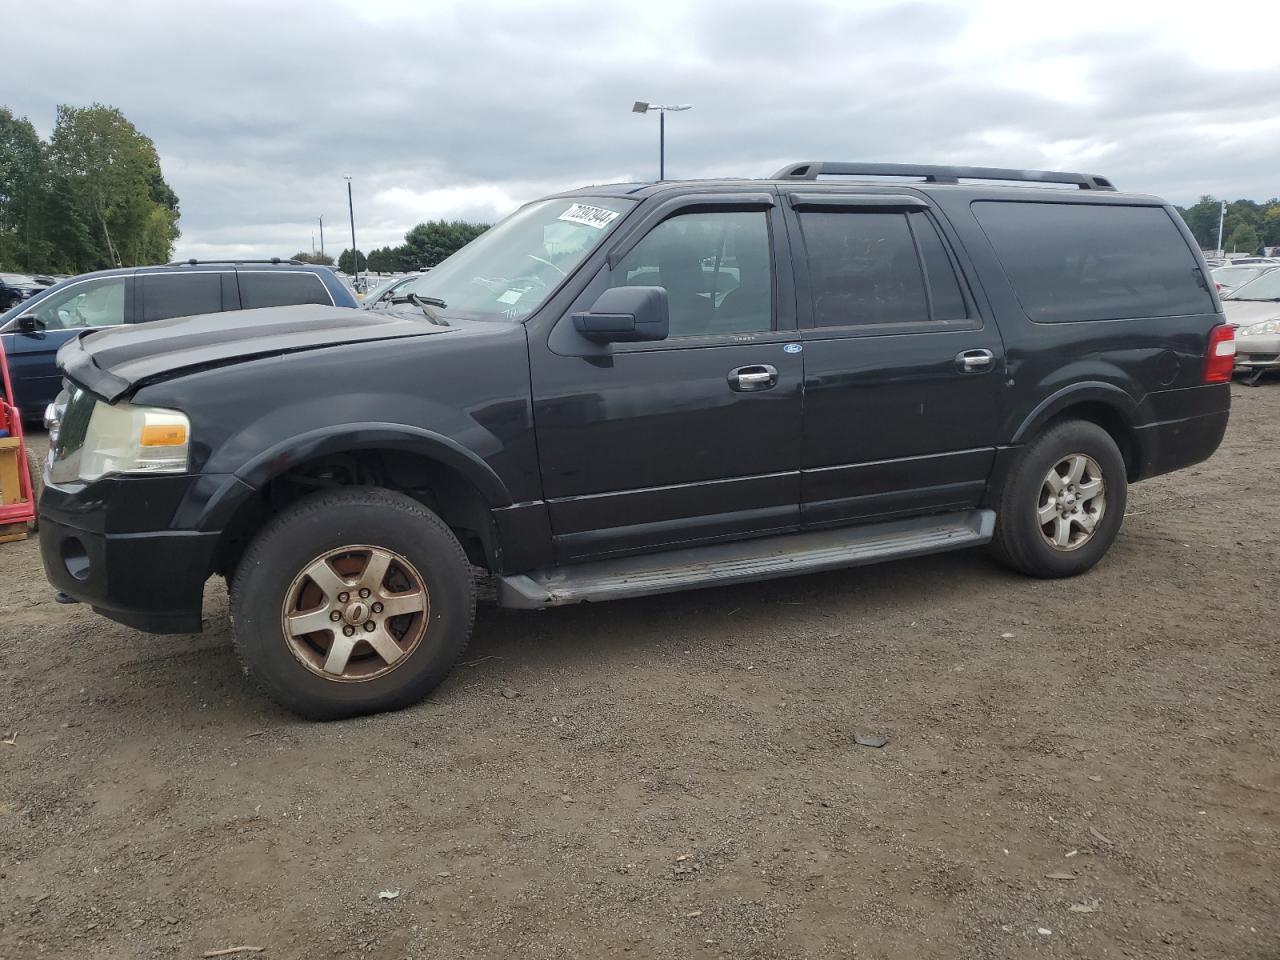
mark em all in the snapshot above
pixel 194 262
pixel 812 169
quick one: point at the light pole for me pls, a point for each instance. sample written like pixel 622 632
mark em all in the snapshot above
pixel 322 236
pixel 663 109
pixel 355 255
pixel 1222 216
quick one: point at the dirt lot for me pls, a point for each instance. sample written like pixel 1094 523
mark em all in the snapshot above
pixel 678 777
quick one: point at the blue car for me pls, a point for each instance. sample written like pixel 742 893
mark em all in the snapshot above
pixel 34 329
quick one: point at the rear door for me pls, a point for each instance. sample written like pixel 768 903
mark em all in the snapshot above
pixel 186 293
pixel 903 377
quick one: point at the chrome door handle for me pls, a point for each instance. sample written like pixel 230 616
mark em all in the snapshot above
pixel 975 361
pixel 758 376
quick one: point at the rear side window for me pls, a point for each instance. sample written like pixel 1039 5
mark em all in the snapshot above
pixel 863 269
pixel 180 294
pixel 280 288
pixel 879 267
pixel 1070 262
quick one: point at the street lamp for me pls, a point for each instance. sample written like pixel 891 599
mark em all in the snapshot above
pixel 355 255
pixel 641 107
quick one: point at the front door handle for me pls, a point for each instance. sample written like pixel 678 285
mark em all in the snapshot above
pixel 975 361
pixel 757 376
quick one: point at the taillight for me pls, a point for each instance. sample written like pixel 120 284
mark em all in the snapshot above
pixel 1220 360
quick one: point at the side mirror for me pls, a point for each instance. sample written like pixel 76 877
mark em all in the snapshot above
pixel 28 323
pixel 626 315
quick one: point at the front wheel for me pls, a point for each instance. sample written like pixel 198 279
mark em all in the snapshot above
pixel 353 601
pixel 1063 502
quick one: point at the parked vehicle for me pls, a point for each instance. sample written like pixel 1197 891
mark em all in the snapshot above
pixel 386 289
pixel 1229 278
pixel 638 388
pixel 34 329
pixel 1254 310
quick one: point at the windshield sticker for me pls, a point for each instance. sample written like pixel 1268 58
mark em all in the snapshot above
pixel 511 296
pixel 589 216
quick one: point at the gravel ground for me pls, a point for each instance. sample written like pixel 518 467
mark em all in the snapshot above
pixel 1082 768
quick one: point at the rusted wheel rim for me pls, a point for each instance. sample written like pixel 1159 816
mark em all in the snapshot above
pixel 355 613
pixel 1073 499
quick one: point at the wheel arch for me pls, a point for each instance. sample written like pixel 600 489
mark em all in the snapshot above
pixel 436 470
pixel 1100 403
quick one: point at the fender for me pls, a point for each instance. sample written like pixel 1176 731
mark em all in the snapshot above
pixel 1085 391
pixel 233 489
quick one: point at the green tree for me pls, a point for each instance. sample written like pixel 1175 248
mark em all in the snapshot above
pixel 111 173
pixel 320 259
pixel 350 266
pixel 429 243
pixel 1202 220
pixel 1243 239
pixel 22 193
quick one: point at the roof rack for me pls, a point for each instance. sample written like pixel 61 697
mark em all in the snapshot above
pixel 812 169
pixel 194 262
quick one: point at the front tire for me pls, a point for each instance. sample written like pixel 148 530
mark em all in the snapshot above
pixel 353 601
pixel 1062 503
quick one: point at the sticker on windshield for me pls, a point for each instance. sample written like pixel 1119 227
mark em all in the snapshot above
pixel 511 296
pixel 597 217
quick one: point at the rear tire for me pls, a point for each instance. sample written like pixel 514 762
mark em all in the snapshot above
pixel 352 601
pixel 1062 503
pixel 37 485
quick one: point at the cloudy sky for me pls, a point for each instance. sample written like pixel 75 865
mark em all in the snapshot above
pixel 468 109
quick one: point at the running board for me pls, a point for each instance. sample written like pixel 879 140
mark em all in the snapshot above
pixel 745 560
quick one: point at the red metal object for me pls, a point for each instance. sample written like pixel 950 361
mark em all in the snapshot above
pixel 24 510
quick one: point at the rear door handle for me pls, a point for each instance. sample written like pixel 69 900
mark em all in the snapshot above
pixel 757 376
pixel 975 361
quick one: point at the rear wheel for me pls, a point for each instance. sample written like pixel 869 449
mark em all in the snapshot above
pixel 37 484
pixel 1063 502
pixel 350 602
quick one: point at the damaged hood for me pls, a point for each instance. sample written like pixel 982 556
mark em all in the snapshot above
pixel 112 363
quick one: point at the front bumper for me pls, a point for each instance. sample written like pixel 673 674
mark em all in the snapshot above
pixel 1257 353
pixel 150 579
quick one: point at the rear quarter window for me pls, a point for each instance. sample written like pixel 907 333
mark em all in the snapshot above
pixel 281 288
pixel 1069 262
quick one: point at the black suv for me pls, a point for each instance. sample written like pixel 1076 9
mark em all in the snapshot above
pixel 632 389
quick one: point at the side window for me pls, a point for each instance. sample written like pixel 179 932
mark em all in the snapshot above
pixel 944 287
pixel 715 267
pixel 93 303
pixel 280 288
pixel 863 268
pixel 1069 262
pixel 167 295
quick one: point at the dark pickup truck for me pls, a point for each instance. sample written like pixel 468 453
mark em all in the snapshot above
pixel 632 389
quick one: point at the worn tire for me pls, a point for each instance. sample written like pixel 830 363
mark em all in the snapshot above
pixel 37 485
pixel 328 521
pixel 1018 541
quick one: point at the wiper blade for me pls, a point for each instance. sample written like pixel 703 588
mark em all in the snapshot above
pixel 425 304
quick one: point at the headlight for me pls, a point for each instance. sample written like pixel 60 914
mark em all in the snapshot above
pixel 122 438
pixel 1261 329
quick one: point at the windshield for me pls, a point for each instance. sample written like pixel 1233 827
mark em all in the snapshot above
pixel 511 268
pixel 1266 287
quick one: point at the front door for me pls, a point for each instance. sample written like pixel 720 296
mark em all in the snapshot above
pixel 903 378
pixel 647 446
pixel 98 302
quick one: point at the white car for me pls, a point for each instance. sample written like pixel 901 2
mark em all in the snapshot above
pixel 1233 276
pixel 1254 310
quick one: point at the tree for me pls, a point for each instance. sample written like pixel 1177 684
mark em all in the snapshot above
pixel 1202 220
pixel 320 259
pixel 429 243
pixel 1243 239
pixel 347 266
pixel 111 172
pixel 21 191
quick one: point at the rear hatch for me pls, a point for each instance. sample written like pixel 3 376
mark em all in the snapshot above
pixel 112 363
